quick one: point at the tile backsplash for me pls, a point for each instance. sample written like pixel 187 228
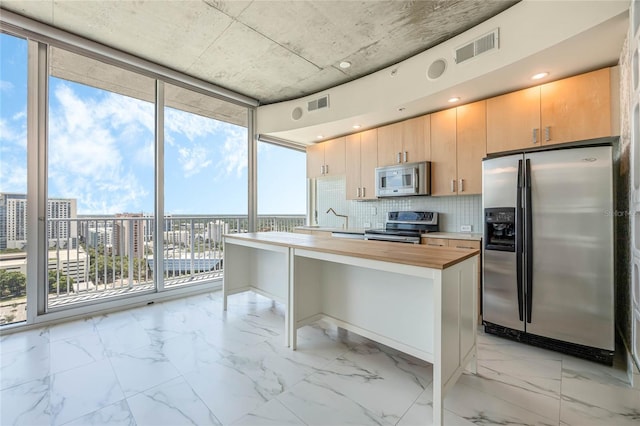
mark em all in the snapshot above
pixel 454 211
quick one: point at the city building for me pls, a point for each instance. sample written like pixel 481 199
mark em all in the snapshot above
pixel 128 234
pixel 13 219
pixel 61 215
pixel 73 263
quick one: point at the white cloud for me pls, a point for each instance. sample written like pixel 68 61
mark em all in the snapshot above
pixel 193 160
pixel 204 139
pixel 14 131
pixel 234 151
pixel 91 142
pixel 145 155
pixel 6 86
pixel 190 125
pixel 22 115
pixel 7 131
pixel 13 178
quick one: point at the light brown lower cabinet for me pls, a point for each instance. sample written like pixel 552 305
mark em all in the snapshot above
pixel 467 244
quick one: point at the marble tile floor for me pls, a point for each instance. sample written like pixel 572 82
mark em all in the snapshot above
pixel 185 362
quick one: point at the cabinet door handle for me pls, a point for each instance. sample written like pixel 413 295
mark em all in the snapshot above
pixel 322 169
pixel 358 193
pixel 326 169
pixel 535 136
pixel 405 156
pixel 460 185
pixel 547 133
pixel 398 158
pixel 363 188
pixel 453 185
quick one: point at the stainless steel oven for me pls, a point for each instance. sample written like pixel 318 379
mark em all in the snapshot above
pixel 405 227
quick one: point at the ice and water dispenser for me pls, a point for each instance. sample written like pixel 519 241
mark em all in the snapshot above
pixel 500 229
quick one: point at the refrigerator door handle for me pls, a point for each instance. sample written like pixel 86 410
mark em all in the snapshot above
pixel 519 230
pixel 528 238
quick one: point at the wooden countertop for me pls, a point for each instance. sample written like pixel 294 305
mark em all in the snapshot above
pixel 330 229
pixel 473 236
pixel 407 254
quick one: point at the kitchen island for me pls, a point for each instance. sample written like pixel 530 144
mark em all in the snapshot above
pixel 417 299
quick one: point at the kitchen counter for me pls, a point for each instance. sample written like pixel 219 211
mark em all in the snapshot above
pixel 406 254
pixel 454 235
pixel 329 229
pixel 472 236
pixel 414 298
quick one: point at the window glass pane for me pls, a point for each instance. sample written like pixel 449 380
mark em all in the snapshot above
pixel 100 179
pixel 205 182
pixel 13 179
pixel 282 190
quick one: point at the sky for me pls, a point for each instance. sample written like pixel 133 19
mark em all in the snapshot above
pixel 101 152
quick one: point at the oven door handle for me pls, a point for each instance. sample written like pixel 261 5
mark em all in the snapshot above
pixel 392 238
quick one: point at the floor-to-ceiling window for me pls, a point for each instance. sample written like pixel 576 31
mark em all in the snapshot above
pixel 118 177
pixel 100 173
pixel 13 179
pixel 205 182
pixel 282 190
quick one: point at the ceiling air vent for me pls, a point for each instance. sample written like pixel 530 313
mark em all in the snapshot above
pixel 478 46
pixel 319 103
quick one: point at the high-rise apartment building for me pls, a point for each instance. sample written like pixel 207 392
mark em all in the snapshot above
pixel 13 221
pixel 128 234
pixel 62 232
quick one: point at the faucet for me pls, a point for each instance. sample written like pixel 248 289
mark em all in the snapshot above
pixel 346 221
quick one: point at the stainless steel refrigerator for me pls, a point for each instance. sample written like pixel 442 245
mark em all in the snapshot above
pixel 548 250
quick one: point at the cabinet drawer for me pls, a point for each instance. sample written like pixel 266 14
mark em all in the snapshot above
pixel 437 242
pixel 467 244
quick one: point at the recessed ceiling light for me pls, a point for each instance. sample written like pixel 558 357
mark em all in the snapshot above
pixel 356 126
pixel 539 75
pixel 345 64
pixel 454 99
pixel 319 137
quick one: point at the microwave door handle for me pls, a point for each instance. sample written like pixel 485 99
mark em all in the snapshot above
pixel 414 179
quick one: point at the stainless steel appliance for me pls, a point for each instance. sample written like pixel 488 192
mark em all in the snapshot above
pixel 405 227
pixel 548 250
pixel 403 179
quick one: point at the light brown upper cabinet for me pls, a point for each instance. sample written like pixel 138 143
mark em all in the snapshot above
pixel 362 160
pixel 471 146
pixel 513 121
pixel 443 152
pixel 326 158
pixel 572 109
pixel 416 139
pixel 404 142
pixel 576 108
pixel 458 145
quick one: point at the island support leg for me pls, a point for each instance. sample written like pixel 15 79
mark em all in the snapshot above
pixel 438 407
pixel 291 320
pixel 438 379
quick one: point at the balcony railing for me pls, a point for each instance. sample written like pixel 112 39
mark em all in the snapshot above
pixel 98 257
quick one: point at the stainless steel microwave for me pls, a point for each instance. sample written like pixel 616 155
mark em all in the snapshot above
pixel 403 180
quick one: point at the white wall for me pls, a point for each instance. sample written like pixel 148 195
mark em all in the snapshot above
pixel 454 211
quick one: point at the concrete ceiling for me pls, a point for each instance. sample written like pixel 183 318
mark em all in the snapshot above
pixel 271 51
